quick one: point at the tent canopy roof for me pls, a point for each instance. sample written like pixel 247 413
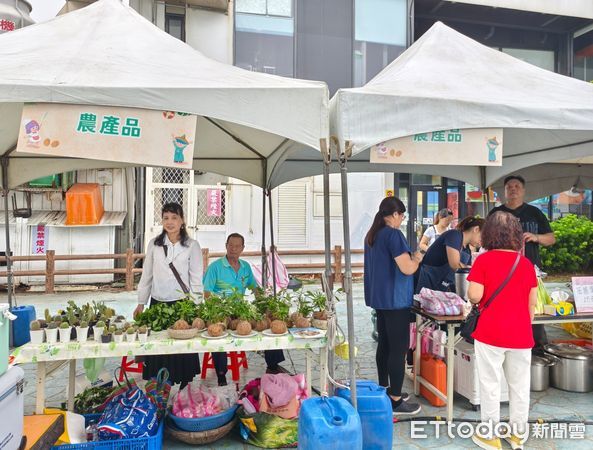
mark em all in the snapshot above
pixel 446 81
pixel 107 54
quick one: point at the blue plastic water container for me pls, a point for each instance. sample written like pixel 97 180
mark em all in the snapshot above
pixel 21 325
pixel 329 423
pixel 376 415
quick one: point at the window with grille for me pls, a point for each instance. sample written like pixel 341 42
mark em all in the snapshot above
pixel 171 186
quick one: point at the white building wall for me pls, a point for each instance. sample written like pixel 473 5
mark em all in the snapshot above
pixel 208 32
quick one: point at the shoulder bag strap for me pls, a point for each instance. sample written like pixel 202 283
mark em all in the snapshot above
pixel 504 283
pixel 175 273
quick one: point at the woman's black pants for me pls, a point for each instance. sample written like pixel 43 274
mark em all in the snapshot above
pixel 393 327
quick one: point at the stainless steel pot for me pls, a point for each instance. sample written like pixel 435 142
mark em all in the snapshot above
pixel 540 371
pixel 574 370
pixel 461 283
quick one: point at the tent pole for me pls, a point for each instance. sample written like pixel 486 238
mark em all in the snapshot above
pixel 5 191
pixel 329 279
pixel 343 159
pixel 272 243
pixel 264 269
pixel 484 190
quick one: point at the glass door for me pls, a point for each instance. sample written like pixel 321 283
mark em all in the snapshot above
pixel 424 204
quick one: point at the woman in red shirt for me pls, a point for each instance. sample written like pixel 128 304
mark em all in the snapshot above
pixel 503 336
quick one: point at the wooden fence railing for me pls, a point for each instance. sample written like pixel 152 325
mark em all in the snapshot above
pixel 130 270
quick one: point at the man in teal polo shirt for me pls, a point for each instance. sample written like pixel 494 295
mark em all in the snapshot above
pixel 223 277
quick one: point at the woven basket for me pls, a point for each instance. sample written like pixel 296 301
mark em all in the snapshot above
pixel 182 334
pixel 198 437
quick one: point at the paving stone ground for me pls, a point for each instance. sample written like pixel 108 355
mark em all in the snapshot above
pixel 551 404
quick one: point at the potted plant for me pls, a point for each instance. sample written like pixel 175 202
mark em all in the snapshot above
pixel 319 302
pixel 301 318
pixel 65 332
pixel 213 311
pixel 98 330
pixel 82 331
pixel 118 336
pixel 106 336
pixel 37 333
pixel 245 313
pixel 119 322
pixel 142 333
pixel 131 334
pixel 51 333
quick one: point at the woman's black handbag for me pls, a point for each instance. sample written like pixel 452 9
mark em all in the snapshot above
pixel 469 325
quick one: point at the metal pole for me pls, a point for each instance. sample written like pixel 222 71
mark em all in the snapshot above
pixel 5 191
pixel 264 269
pixel 328 286
pixel 343 158
pixel 272 243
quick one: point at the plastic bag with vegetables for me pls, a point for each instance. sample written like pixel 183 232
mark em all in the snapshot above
pixel 543 298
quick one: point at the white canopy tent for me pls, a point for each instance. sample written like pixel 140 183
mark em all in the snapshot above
pixel 448 81
pixel 107 54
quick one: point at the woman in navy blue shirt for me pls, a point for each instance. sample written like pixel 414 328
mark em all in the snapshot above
pixel 388 288
pixel 448 254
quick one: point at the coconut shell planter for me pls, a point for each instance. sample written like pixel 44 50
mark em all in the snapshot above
pixel 217 315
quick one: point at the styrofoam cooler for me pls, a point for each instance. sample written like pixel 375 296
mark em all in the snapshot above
pixel 12 401
pixel 466 381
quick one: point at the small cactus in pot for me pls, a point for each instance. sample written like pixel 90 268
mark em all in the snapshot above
pixel 37 333
pixel 65 332
pixel 98 330
pixel 82 331
pixel 131 334
pixel 51 333
pixel 118 336
pixel 142 333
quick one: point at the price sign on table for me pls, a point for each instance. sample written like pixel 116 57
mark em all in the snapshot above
pixel 582 288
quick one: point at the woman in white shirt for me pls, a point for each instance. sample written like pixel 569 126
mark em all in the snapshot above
pixel 159 284
pixel 442 221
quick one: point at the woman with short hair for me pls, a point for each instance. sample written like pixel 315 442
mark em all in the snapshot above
pixel 503 336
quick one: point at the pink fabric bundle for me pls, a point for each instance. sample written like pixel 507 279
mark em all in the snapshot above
pixel 280 395
pixel 441 303
pixel 192 403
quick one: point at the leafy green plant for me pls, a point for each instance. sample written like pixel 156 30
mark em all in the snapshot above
pixel 318 299
pixel 214 309
pixel 244 310
pixel 162 316
pixel 304 306
pixel 573 250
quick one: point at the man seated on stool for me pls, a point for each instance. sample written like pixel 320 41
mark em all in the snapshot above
pixel 222 277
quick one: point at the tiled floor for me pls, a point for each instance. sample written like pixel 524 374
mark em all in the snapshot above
pixel 552 404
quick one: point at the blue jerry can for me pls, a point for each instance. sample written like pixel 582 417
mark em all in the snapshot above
pixel 20 326
pixel 376 415
pixel 329 423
